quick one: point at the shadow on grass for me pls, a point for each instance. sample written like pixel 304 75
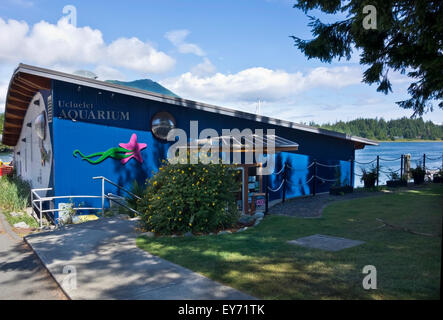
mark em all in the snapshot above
pixel 261 263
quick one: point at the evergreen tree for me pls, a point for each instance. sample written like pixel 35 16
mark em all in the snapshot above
pixel 408 37
pixel 380 129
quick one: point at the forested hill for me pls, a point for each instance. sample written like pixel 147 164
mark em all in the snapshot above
pixel 380 129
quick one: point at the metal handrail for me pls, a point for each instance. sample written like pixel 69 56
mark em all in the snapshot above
pixel 37 200
pixel 113 183
pixel 121 204
pixel 63 197
pixel 103 196
pixel 37 203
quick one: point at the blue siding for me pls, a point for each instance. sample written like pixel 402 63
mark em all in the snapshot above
pixel 74 176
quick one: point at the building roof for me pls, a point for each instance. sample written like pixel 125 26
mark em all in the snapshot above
pixel 246 143
pixel 27 80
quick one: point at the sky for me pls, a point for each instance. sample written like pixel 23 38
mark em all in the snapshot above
pixel 236 54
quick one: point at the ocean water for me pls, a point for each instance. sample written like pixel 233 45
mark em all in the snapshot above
pixel 5 156
pixel 392 151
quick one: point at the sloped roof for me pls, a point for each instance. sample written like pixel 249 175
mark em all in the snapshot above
pixel 27 80
pixel 248 143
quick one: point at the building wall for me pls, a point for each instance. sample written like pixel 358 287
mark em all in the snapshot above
pixel 90 120
pixel 32 155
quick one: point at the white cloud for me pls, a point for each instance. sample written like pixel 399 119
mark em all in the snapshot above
pixel 253 83
pixel 3 90
pixel 22 3
pixel 108 73
pixel 203 69
pixel 5 74
pixel 178 37
pixel 49 44
pixel 136 55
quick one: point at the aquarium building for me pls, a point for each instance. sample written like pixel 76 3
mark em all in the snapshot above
pixel 66 129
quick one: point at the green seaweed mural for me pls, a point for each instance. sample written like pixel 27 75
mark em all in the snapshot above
pixel 124 152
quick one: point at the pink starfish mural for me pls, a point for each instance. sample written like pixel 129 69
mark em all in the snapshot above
pixel 135 148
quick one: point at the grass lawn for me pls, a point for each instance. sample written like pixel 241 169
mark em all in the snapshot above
pixel 14 196
pixel 30 221
pixel 260 262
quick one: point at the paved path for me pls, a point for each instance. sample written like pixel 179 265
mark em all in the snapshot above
pixel 109 265
pixel 312 206
pixel 22 276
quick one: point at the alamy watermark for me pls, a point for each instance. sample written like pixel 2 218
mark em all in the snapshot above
pixel 370 281
pixel 245 147
pixel 370 20
pixel 70 12
pixel 69 281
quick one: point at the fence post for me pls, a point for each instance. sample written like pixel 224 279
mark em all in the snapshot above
pixel 314 180
pixel 378 169
pixel 352 173
pixel 424 161
pixel 284 182
pixel 401 166
pixel 267 195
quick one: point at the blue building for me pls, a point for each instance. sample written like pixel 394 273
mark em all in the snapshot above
pixel 66 129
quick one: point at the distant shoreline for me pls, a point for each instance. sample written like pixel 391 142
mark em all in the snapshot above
pixel 409 140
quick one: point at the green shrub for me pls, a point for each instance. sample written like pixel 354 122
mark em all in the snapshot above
pixel 14 194
pixel 190 197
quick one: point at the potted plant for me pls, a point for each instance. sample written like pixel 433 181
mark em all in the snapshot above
pixel 395 180
pixel 418 173
pixel 337 189
pixel 369 177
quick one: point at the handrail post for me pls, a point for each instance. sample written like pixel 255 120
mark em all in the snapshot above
pixel 41 215
pixel 103 196
pixel 378 169
pixel 32 201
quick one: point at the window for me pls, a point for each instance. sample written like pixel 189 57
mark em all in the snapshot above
pixel 40 125
pixel 161 124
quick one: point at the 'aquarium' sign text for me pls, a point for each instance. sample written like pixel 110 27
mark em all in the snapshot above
pixel 85 111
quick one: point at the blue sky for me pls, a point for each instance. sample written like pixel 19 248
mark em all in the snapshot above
pixel 229 53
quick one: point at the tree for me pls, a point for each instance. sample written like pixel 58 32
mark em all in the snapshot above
pixel 2 120
pixel 408 38
pixel 383 130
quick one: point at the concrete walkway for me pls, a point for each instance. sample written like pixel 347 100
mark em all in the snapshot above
pixel 22 276
pixel 107 264
pixel 313 206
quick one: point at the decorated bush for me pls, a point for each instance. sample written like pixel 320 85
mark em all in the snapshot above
pixel 199 198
